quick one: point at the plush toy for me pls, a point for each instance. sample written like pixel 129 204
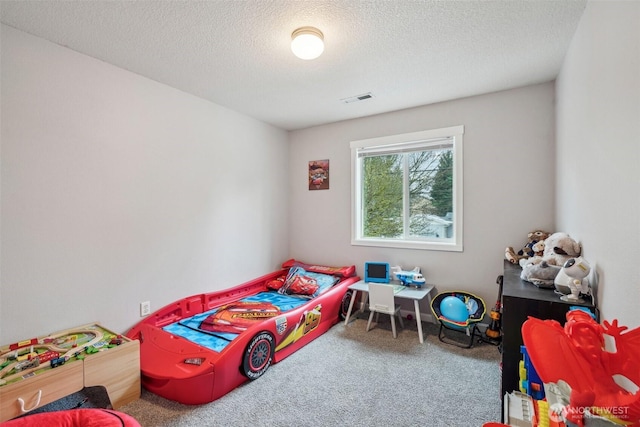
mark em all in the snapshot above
pixel 538 252
pixel 558 249
pixel 527 251
pixel 541 274
pixel 542 270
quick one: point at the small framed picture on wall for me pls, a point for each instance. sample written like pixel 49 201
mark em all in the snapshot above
pixel 319 174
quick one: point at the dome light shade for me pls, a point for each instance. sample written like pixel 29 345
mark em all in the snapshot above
pixel 307 43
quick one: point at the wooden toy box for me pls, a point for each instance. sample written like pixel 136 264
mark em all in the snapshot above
pixel 87 356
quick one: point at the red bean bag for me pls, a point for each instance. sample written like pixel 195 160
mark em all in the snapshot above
pixel 75 418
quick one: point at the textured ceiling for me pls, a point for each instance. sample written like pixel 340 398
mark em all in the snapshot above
pixel 237 54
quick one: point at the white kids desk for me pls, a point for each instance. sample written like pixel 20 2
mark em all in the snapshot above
pixel 415 294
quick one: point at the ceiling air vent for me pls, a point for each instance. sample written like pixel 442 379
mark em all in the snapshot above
pixel 357 98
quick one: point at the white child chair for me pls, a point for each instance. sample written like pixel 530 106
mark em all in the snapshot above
pixel 381 300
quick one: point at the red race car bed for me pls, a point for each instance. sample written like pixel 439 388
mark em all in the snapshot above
pixel 199 348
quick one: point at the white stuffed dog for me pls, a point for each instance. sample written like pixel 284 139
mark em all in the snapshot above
pixel 542 270
pixel 558 249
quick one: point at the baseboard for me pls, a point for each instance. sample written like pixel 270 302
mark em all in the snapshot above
pixel 425 317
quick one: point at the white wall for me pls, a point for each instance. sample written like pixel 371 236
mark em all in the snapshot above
pixel 509 181
pixel 598 151
pixel 117 189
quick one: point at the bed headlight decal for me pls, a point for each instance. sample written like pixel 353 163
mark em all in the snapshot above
pixel 194 361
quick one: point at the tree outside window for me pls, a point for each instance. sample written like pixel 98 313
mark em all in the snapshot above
pixel 408 190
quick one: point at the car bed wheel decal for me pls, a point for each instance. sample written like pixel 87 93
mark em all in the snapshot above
pixel 258 355
pixel 344 305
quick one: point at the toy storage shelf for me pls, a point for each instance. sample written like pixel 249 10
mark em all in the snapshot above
pixel 521 299
pixel 117 369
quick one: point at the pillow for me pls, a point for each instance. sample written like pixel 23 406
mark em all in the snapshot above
pixel 275 284
pixel 346 271
pixel 305 283
pixel 85 417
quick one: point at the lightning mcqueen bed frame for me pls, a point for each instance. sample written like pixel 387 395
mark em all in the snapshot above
pixel 199 348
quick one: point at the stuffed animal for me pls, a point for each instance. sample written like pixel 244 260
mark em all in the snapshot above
pixel 540 274
pixel 527 251
pixel 538 251
pixel 542 270
pixel 538 248
pixel 558 249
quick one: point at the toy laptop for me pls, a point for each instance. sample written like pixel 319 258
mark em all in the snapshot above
pixel 377 272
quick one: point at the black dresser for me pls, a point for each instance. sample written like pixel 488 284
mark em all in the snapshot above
pixel 521 299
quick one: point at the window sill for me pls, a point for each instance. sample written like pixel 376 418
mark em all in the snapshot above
pixel 448 246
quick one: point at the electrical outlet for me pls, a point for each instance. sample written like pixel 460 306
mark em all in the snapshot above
pixel 145 308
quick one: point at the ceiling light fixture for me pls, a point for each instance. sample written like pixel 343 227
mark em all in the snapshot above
pixel 307 43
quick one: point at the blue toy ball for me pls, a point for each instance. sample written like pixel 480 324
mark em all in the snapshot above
pixel 454 309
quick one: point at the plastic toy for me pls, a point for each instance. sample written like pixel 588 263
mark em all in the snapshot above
pixel 192 354
pixel 25 357
pixel 530 382
pixel 571 280
pixel 519 410
pixel 376 272
pixel 408 278
pixel 493 332
pixel 600 376
pixel 470 308
pixel 454 309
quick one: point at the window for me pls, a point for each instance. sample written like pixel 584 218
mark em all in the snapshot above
pixel 407 190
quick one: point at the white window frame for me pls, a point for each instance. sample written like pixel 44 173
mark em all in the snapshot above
pixel 452 134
